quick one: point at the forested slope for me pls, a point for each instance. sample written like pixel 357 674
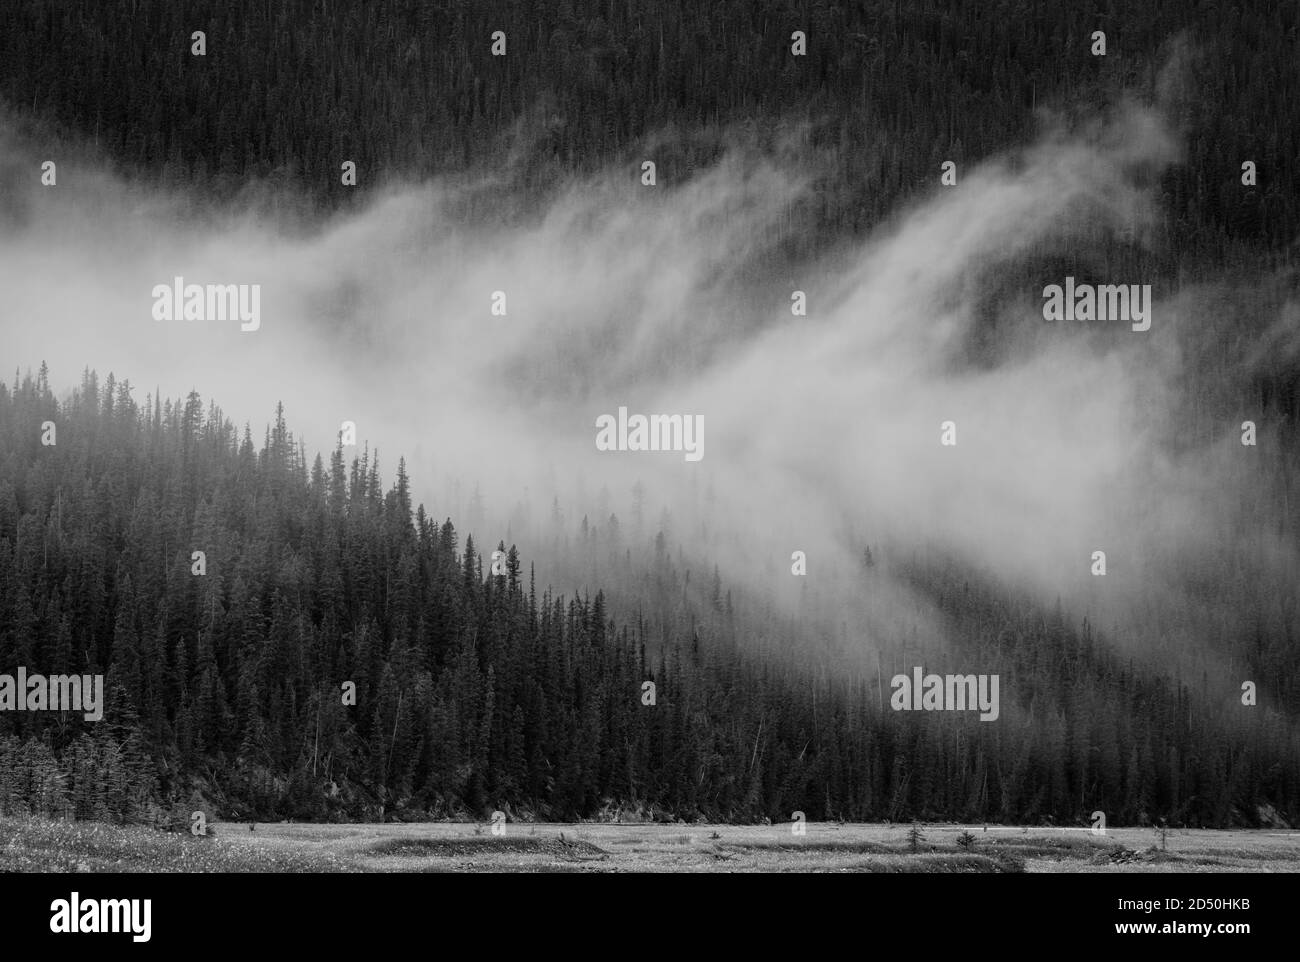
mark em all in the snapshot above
pixel 886 91
pixel 476 691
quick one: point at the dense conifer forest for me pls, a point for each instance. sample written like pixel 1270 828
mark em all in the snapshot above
pixel 477 692
pixel 888 90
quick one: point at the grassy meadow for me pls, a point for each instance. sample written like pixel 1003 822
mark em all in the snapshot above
pixel 42 845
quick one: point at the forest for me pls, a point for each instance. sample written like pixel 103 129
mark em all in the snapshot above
pixel 477 692
pixel 886 92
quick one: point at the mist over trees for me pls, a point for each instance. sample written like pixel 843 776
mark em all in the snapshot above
pixel 477 691
pixel 408 88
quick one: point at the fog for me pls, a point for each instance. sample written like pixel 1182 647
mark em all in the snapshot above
pixel 822 432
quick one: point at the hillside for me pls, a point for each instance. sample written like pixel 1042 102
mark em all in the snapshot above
pixel 477 691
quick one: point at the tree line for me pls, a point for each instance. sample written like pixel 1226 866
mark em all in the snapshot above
pixel 885 93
